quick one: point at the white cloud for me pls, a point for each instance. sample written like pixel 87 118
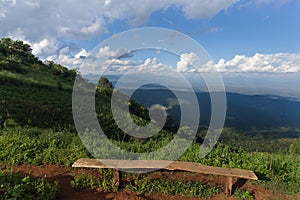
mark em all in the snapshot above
pixel 150 65
pixel 205 8
pixel 82 54
pixel 92 28
pixel 18 35
pixel 44 48
pixel 108 60
pixel 38 22
pixel 277 2
pixel 76 19
pixel 273 63
pixel 64 58
pixel 68 61
pixel 106 52
pixel 39 19
pixel 105 59
pixel 186 60
pixel 64 51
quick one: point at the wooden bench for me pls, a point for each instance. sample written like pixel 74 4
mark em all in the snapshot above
pixel 230 173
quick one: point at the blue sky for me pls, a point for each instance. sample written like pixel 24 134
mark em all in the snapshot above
pixel 242 29
pixel 248 38
pixel 224 28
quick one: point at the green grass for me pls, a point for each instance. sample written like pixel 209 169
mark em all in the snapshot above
pixel 84 181
pixel 17 186
pixel 143 184
pixel 38 146
pixel 280 171
pixel 148 186
pixel 243 194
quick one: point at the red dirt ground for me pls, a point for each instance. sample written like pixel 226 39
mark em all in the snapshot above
pixel 64 175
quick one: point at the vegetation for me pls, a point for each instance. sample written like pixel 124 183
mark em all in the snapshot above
pixel 148 186
pixel 36 127
pixel 17 186
pixel 87 181
pixel 243 195
pixel 39 146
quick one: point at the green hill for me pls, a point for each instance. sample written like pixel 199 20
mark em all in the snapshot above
pixel 36 127
pixel 39 94
pixel 33 93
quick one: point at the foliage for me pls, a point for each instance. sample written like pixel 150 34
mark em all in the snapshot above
pixel 38 146
pixel 271 141
pixel 243 194
pixel 17 186
pixel 279 170
pixel 192 188
pixel 104 85
pixel 295 148
pixel 87 181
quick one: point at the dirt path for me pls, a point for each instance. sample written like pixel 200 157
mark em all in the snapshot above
pixel 64 175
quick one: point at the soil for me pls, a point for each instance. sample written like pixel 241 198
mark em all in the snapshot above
pixel 64 175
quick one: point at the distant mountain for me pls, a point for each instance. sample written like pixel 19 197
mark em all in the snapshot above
pixel 243 111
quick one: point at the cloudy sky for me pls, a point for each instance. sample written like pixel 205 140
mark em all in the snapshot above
pixel 241 36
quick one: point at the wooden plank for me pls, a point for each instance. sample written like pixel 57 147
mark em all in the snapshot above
pixel 116 178
pixel 229 184
pixel 169 165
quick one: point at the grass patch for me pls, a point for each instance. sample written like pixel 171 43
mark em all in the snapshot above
pixel 84 181
pixel 38 146
pixel 243 194
pixel 193 188
pixel 17 186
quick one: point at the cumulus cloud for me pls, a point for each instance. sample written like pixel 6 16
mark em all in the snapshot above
pixel 92 28
pixel 82 54
pixel 110 60
pixel 64 19
pixel 122 66
pixel 186 61
pixel 106 52
pixel 47 24
pixel 273 63
pixel 69 20
pixel 44 48
pixel 64 58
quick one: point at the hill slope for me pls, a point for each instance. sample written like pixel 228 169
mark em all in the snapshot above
pixel 40 94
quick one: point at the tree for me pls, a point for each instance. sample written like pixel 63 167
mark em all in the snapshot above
pixel 104 86
pixel 104 82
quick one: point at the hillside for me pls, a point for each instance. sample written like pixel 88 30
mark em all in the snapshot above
pixel 39 143
pixel 33 93
pixel 39 94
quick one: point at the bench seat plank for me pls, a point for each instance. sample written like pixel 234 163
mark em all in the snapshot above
pixel 169 165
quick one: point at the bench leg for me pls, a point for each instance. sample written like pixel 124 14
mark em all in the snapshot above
pixel 229 186
pixel 116 178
